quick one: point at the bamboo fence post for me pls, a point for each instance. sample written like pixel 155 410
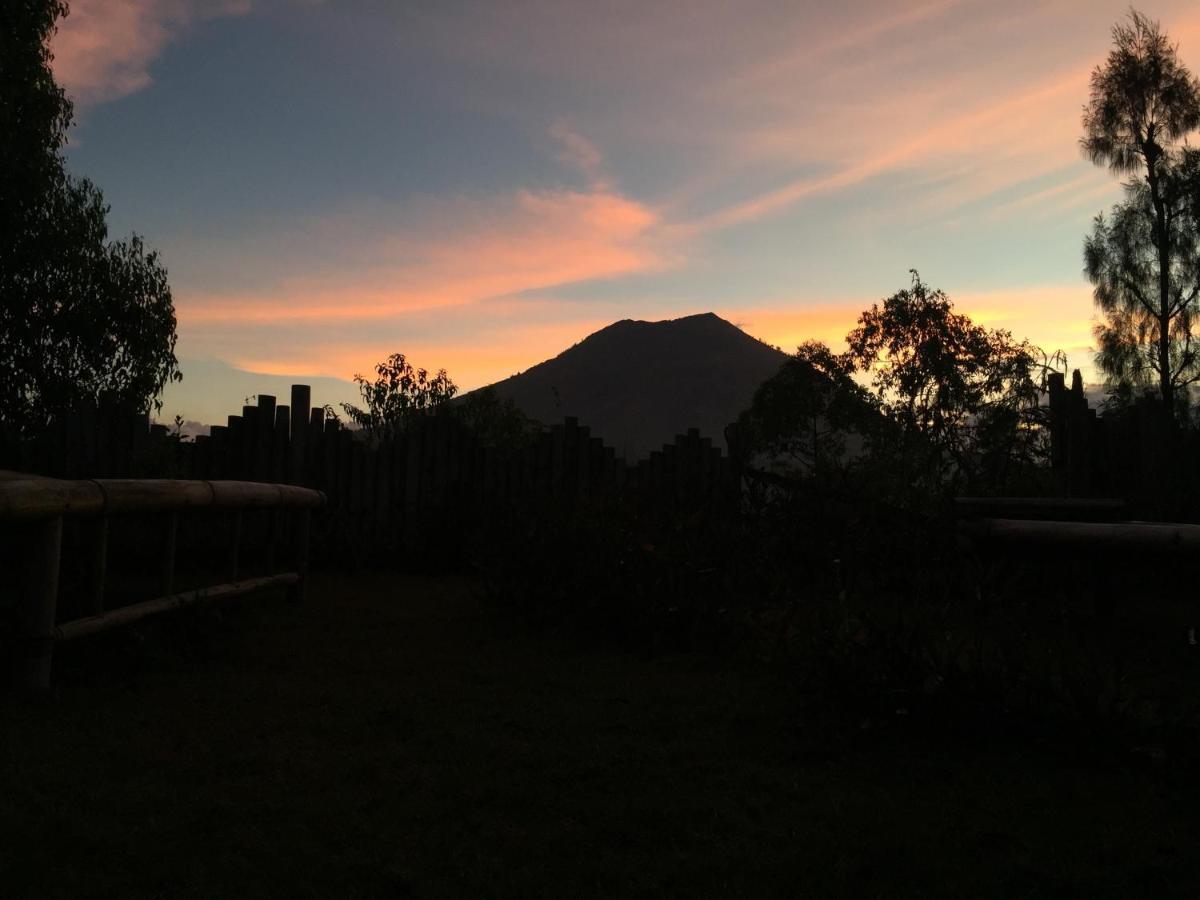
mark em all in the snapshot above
pixel 95 541
pixel 139 444
pixel 300 538
pixel 39 605
pixel 557 454
pixel 412 484
pixel 331 456
pixel 571 457
pixel 1078 445
pixel 201 457
pixel 279 445
pixel 235 540
pixel 86 449
pixel 355 460
pixel 301 406
pixel 218 439
pixel 273 524
pixel 582 451
pixel 170 535
pixel 235 427
pixel 596 469
pixel 381 503
pixel 264 435
pixel 250 427
pixel 104 442
pixel 439 461
pixel 450 448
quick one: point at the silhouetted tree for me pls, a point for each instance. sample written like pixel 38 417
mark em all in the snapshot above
pixel 803 419
pixel 495 421
pixel 398 394
pixel 953 387
pixel 1121 258
pixel 82 318
pixel 1143 101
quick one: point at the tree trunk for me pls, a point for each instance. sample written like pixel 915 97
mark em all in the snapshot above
pixel 1162 242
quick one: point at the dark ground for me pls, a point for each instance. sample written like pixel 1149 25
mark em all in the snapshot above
pixel 384 740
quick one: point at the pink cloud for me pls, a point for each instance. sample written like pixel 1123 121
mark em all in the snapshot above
pixel 104 48
pixel 917 94
pixel 459 255
pixel 450 290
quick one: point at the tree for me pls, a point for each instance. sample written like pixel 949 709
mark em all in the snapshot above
pixel 1144 345
pixel 954 388
pixel 82 318
pixel 398 395
pixel 804 417
pixel 495 421
pixel 1143 102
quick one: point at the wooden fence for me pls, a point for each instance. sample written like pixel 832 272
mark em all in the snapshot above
pixel 1134 455
pixel 437 467
pixel 39 507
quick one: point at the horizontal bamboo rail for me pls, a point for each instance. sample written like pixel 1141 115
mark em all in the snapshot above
pixel 42 498
pixel 1056 508
pixel 1164 537
pixel 137 611
pixel 41 505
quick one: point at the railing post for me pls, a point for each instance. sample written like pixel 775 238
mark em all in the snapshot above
pixel 300 535
pixel 273 530
pixel 235 539
pixel 39 603
pixel 96 543
pixel 168 561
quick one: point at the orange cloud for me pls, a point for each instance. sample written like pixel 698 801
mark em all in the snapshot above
pixel 531 241
pixel 472 361
pixel 453 294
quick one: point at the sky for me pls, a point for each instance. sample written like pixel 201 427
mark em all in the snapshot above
pixel 481 185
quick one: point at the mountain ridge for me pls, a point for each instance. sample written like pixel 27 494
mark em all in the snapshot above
pixel 638 383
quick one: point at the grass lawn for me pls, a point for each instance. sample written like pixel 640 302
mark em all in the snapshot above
pixel 385 740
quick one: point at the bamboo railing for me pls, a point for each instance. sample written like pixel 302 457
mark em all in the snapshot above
pixel 1092 525
pixel 40 505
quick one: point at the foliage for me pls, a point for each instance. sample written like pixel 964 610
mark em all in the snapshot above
pixel 398 394
pixel 803 418
pixel 1143 261
pixel 1142 100
pixel 1121 258
pixel 957 391
pixel 495 421
pixel 83 318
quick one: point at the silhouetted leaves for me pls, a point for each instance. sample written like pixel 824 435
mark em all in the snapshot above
pixel 804 420
pixel 956 390
pixel 1122 259
pixel 83 318
pixel 1143 260
pixel 398 394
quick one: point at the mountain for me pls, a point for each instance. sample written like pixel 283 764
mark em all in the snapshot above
pixel 638 384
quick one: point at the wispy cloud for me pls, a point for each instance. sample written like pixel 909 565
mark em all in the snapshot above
pixel 580 154
pixel 461 253
pixel 359 287
pixel 104 49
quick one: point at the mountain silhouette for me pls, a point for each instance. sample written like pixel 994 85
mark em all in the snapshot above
pixel 637 384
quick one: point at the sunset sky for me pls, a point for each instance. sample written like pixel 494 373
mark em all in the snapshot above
pixel 480 185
